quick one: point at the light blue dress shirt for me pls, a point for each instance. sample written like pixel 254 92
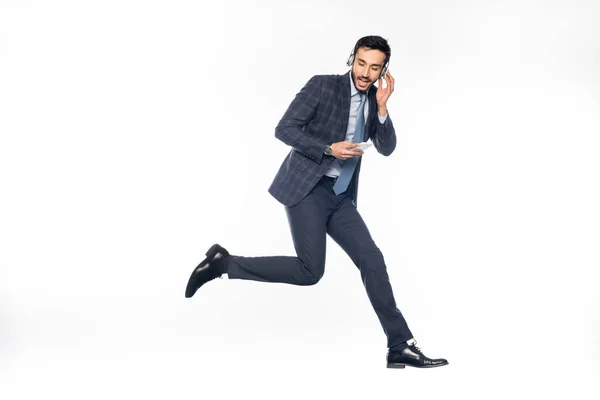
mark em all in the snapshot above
pixel 334 171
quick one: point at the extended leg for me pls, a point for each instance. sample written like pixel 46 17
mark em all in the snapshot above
pixel 348 229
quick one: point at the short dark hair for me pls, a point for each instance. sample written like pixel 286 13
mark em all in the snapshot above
pixel 374 43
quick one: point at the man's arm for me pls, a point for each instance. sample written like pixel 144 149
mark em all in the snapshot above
pixel 384 136
pixel 300 112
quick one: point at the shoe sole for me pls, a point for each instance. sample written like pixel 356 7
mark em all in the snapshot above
pixel 395 365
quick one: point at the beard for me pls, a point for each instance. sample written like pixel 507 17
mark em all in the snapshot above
pixel 360 83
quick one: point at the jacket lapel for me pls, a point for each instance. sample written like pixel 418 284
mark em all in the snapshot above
pixel 345 91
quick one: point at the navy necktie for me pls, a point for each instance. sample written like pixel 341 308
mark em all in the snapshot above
pixel 341 184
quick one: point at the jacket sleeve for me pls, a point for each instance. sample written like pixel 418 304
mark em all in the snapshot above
pixel 384 136
pixel 301 111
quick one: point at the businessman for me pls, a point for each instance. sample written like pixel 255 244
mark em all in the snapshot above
pixel 318 185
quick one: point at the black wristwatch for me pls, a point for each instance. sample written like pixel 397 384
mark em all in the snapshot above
pixel 328 150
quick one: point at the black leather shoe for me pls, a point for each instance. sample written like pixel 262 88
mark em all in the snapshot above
pixel 212 267
pixel 413 357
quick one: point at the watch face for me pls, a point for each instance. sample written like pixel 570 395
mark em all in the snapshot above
pixel 328 150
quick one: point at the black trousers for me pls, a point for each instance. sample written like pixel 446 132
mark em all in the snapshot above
pixel 321 212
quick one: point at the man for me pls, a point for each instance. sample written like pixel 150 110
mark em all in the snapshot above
pixel 318 182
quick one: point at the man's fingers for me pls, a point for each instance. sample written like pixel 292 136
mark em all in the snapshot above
pixel 352 153
pixel 347 150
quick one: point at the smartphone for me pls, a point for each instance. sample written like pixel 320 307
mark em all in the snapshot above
pixel 363 146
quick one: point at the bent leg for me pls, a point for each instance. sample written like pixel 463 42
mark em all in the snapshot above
pixel 307 221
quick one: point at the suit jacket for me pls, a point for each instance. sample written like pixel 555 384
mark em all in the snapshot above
pixel 318 116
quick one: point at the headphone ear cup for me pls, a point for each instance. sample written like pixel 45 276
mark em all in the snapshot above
pixel 383 71
pixel 350 60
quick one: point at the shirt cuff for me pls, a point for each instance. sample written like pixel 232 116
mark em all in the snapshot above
pixel 382 119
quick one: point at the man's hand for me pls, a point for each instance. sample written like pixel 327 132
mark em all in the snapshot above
pixel 383 95
pixel 343 150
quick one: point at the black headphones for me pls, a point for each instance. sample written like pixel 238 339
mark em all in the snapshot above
pixel 383 70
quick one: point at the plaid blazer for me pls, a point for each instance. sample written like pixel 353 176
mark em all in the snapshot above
pixel 318 116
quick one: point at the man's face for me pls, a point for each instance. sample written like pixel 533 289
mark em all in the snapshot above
pixel 366 67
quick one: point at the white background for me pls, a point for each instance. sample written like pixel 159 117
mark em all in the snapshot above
pixel 135 134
